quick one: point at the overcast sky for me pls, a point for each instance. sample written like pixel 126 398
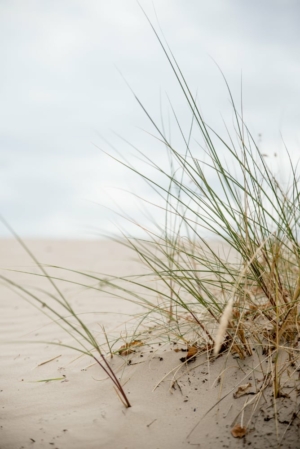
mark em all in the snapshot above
pixel 62 95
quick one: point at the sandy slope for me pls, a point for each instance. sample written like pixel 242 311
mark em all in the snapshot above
pixel 82 410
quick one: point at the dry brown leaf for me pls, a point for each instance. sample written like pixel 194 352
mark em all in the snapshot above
pixel 128 347
pixel 243 389
pixel 192 350
pixel 238 431
pixel 191 353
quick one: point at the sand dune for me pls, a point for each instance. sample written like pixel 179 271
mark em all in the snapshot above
pixel 80 409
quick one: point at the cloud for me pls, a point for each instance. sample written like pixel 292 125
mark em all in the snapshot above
pixel 60 87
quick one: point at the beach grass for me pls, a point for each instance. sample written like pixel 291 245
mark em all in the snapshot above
pixel 233 197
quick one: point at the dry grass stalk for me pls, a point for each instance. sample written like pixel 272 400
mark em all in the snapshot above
pixel 225 318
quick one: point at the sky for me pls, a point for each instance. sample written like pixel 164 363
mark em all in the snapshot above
pixel 67 75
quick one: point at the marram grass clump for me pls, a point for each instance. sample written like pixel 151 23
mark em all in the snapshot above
pixel 221 189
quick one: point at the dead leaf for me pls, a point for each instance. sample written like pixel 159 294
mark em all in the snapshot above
pixel 243 389
pixel 127 348
pixel 191 352
pixel 238 431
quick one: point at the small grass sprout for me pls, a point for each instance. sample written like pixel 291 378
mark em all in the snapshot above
pixel 72 324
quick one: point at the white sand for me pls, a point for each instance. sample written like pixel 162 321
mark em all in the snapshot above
pixel 82 410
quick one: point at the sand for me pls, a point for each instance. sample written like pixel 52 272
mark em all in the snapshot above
pixel 81 410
